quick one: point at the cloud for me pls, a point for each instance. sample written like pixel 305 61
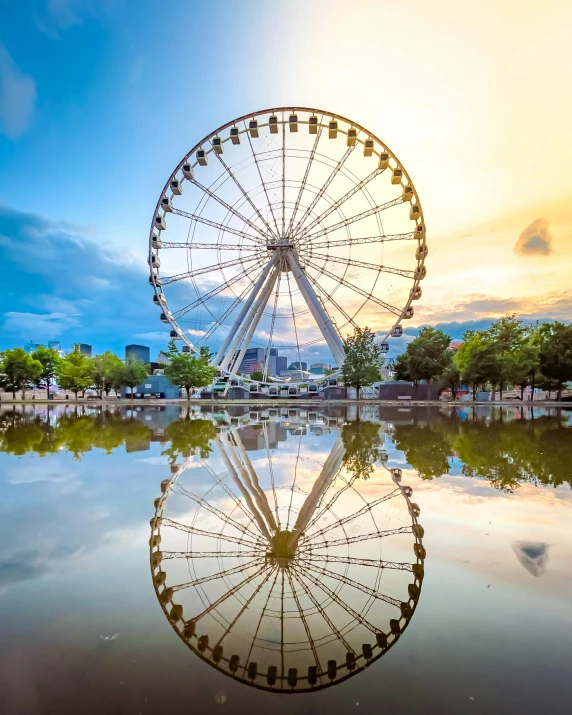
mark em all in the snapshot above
pixel 532 555
pixel 17 97
pixel 535 240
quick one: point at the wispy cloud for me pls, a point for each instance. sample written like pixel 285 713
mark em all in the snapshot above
pixel 17 97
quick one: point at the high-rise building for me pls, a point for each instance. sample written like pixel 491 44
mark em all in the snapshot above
pixel 138 352
pixel 251 355
pixel 319 368
pixel 86 349
pixel 281 364
pixel 297 365
pixel 54 345
pixel 31 346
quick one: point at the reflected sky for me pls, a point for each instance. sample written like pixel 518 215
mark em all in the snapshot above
pixel 81 628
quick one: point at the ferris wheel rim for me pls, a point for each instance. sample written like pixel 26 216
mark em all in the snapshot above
pixel 418 274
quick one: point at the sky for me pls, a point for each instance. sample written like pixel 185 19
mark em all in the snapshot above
pixel 98 104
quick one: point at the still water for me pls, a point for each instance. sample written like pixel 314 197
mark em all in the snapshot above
pixel 414 560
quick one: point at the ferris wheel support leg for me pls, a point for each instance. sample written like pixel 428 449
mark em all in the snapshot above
pixel 320 316
pixel 246 307
pixel 257 311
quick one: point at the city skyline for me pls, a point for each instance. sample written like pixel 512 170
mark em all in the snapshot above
pixel 482 136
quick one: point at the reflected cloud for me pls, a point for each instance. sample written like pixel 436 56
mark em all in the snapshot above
pixel 532 555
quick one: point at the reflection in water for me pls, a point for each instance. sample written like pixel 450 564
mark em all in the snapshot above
pixel 288 572
pixel 533 555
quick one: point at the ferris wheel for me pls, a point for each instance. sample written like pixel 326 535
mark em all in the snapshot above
pixel 286 583
pixel 284 230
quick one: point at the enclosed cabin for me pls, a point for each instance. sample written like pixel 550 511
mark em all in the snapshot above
pixel 273 391
pixel 188 172
pixel 352 136
pixel 234 135
pixel 368 147
pixel 383 160
pixel 397 331
pixel 313 124
pixel 312 387
pixel 397 176
pixel 419 232
pixel 202 158
pixel 166 204
pixel 407 194
pixel 408 313
pixel 422 251
pixel 156 242
pixel 415 293
pixel 292 390
pixel 420 273
pixel 160 224
pixel 165 318
pixel 186 348
pixel 396 474
pixel 159 299
pixel 332 381
pixel 254 387
pixel 253 128
pixel 333 129
pixel 293 122
pixel 154 261
pixel 174 335
pixel 384 347
pixel 217 145
pixel 414 212
pixel 155 280
pixel 176 187
pixel 273 124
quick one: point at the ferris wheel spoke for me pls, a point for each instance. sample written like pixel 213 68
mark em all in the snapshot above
pixel 361 264
pixel 357 217
pixel 208 269
pixel 391 308
pixel 283 176
pixel 302 574
pixel 262 614
pixel 324 188
pixel 271 334
pixel 381 238
pixel 322 612
pixel 295 327
pixel 232 591
pixel 305 178
pixel 264 187
pixel 213 535
pixel 308 566
pixel 219 289
pixel 245 194
pixel 323 509
pixel 364 510
pixel 213 510
pixel 354 561
pixel 209 554
pixel 220 226
pixel 209 246
pixel 220 321
pixel 346 197
pixel 220 574
pixel 269 457
pixel 331 299
pixel 304 621
pixel 230 208
pixel 306 546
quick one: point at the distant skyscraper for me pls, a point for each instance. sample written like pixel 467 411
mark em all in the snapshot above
pixel 319 368
pixel 138 352
pixel 54 345
pixel 281 364
pixel 251 355
pixel 31 346
pixel 298 365
pixel 86 349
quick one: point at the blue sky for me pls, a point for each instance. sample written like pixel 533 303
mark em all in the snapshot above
pixel 99 101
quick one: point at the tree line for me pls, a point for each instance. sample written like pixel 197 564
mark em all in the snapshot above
pixel 21 371
pixel 508 353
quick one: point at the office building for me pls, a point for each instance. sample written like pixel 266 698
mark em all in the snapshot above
pixel 31 346
pixel 54 345
pixel 250 356
pixel 319 368
pixel 86 349
pixel 281 365
pixel 298 366
pixel 138 352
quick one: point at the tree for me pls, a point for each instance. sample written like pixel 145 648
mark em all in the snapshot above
pixel 257 375
pixel 74 371
pixel 479 361
pixel 172 349
pixel 362 444
pixel 189 371
pixel 450 378
pixel 555 354
pixel 186 436
pixel 18 370
pixel 425 357
pixel 132 373
pixel 361 364
pixel 50 360
pixel 507 336
pixel 103 370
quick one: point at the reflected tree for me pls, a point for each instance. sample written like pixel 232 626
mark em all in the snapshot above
pixel 362 444
pixel 186 436
pixel 427 447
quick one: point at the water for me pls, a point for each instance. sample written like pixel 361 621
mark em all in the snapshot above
pixel 463 607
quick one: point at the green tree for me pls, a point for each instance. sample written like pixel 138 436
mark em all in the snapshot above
pixel 132 373
pixel 50 361
pixel 18 370
pixel 189 371
pixel 74 371
pixel 425 358
pixel 257 375
pixel 555 354
pixel 450 378
pixel 362 444
pixel 426 446
pixel 507 336
pixel 172 349
pixel 478 361
pixel 186 436
pixel 361 363
pixel 104 368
